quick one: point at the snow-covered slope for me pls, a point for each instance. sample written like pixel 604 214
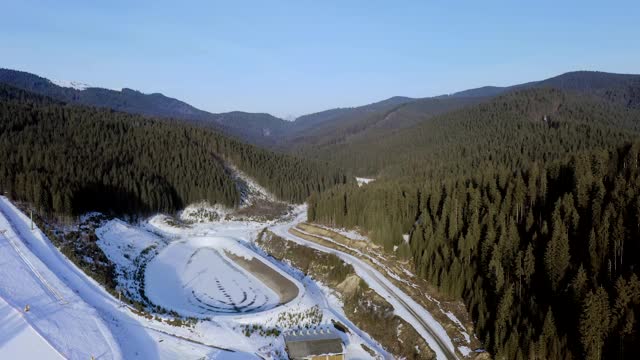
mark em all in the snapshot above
pixel 71 84
pixel 79 319
pixel 88 321
pixel 18 340
pixel 27 280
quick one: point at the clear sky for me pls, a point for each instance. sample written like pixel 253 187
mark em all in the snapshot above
pixel 295 57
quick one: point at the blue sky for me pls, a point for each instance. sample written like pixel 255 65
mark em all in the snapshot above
pixel 296 57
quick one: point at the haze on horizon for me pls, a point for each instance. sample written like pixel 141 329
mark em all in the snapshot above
pixel 297 57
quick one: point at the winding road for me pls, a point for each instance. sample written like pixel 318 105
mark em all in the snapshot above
pixel 404 306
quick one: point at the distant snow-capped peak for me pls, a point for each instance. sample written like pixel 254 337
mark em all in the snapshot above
pixel 71 84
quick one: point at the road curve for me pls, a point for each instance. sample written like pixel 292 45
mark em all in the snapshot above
pixel 441 344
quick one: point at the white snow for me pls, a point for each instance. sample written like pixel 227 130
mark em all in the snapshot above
pixel 28 280
pixel 351 234
pixel 122 243
pixel 71 84
pixel 464 350
pixel 73 315
pixel 88 321
pixel 249 189
pixel 204 212
pixel 127 247
pixel 18 340
pixel 453 318
pixel 364 181
pixel 194 277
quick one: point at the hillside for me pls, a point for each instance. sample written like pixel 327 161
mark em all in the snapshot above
pixel 255 128
pixel 316 135
pixel 69 159
pixel 618 88
pixel 520 206
pixel 336 133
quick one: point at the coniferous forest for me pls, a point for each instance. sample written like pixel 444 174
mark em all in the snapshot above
pixel 525 206
pixel 69 159
pixel 306 180
pixel 528 209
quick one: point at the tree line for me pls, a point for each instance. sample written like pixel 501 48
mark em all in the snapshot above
pixel 532 125
pixel 69 159
pixel 541 245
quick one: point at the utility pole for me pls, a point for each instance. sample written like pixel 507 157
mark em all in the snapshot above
pixel 31 220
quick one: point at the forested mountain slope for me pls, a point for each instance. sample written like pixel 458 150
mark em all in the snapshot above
pixel 262 129
pixel 325 118
pixel 339 133
pixel 68 159
pixel 526 207
pixel 545 257
pixel 623 89
pixel 369 123
pixel 535 124
pixel 315 135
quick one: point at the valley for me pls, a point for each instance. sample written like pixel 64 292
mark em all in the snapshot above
pixel 204 310
pixel 490 223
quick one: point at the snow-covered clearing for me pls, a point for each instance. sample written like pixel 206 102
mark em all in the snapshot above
pixel 88 321
pixel 195 277
pixel 212 243
pixel 208 269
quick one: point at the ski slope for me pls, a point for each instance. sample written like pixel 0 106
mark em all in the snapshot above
pixel 54 306
pixel 18 340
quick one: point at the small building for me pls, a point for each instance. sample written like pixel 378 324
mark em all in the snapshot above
pixel 320 343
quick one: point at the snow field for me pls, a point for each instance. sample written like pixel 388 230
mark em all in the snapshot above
pixel 194 278
pixel 234 237
pixel 130 336
pixel 18 340
pixel 128 247
pixel 29 267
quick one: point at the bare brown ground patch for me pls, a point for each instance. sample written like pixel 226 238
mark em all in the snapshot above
pixel 282 286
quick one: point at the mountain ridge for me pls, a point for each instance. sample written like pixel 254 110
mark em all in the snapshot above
pixel 153 104
pixel 331 126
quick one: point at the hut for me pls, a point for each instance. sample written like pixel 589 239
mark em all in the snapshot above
pixel 320 343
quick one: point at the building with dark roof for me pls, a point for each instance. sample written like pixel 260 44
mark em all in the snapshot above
pixel 321 343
